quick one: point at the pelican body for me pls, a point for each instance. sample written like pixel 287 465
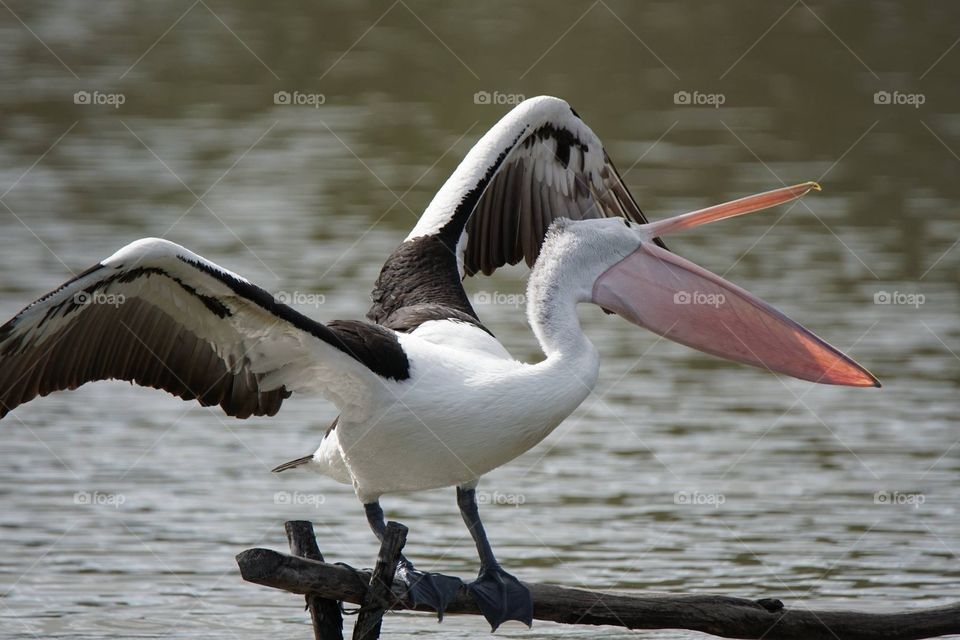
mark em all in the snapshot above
pixel 427 396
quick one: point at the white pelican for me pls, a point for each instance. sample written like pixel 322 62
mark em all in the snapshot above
pixel 427 395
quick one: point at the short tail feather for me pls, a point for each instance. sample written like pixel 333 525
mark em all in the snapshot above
pixel 293 464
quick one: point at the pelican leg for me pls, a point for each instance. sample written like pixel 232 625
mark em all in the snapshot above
pixel 423 588
pixel 499 595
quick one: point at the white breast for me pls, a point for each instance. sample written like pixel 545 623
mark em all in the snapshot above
pixel 462 413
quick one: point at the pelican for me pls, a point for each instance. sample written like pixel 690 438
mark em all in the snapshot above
pixel 427 396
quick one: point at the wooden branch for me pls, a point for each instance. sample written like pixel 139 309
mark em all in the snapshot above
pixel 324 612
pixel 379 597
pixel 722 616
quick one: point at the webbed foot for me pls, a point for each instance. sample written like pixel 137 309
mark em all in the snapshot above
pixel 431 589
pixel 501 597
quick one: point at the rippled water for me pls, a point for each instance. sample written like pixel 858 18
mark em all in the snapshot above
pixel 785 475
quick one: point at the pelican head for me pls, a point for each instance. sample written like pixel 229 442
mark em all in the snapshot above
pixel 617 265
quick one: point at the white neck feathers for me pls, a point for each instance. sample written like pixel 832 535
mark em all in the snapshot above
pixel 557 284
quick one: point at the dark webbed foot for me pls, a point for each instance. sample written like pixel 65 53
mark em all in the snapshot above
pixel 501 597
pixel 423 588
pixel 431 589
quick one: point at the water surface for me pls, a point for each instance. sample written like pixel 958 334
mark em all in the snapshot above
pixel 122 508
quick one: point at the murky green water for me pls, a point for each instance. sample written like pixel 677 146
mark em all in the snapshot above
pixel 311 199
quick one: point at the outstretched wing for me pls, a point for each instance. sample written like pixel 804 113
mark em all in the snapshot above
pixel 539 163
pixel 551 174
pixel 160 316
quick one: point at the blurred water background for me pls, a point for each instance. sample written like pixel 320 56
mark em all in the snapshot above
pixel 121 509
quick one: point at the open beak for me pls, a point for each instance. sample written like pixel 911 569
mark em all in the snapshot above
pixel 678 300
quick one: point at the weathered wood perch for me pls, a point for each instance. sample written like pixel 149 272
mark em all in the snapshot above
pixel 325 613
pixel 722 616
pixel 379 596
